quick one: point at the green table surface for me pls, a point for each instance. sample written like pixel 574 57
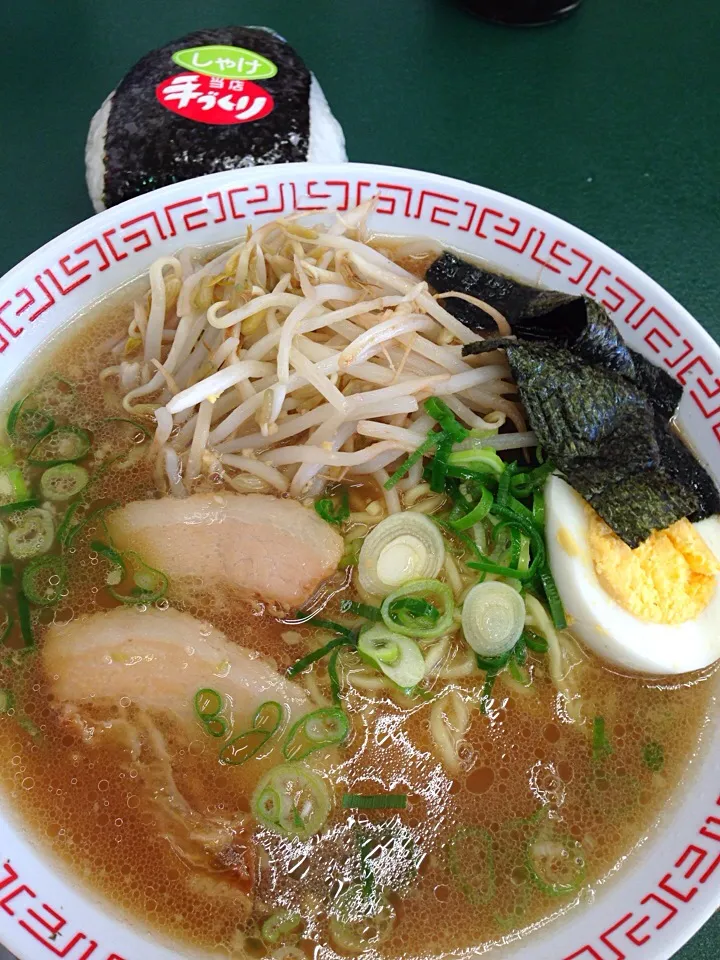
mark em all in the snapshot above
pixel 609 120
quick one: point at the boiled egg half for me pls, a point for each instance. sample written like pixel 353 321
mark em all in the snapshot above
pixel 653 609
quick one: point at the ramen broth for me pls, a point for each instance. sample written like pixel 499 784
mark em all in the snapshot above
pixel 95 805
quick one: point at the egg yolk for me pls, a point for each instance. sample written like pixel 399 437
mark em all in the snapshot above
pixel 669 578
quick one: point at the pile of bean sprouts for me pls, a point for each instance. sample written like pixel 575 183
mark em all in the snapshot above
pixel 300 355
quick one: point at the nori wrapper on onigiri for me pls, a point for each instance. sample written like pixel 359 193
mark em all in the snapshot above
pixel 136 144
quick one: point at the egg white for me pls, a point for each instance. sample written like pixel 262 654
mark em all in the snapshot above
pixel 599 621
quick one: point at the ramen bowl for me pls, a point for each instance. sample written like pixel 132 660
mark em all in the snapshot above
pixel 669 884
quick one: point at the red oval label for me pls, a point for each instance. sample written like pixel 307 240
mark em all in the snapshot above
pixel 214 99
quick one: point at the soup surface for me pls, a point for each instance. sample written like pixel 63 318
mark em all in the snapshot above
pixel 508 801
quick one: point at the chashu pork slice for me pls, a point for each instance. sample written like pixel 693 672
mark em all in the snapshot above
pixel 261 545
pixel 158 660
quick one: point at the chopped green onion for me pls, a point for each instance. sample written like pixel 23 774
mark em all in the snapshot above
pixel 413 613
pixel 375 801
pixel 555 604
pixel 7 701
pixel 486 692
pixel 7 456
pixel 420 627
pixel 148 584
pixel 396 655
pixel 358 922
pixel 493 618
pixel 520 651
pixel 478 512
pixel 493 664
pixel 292 800
pixel 63 445
pixel 217 727
pixel 68 531
pixel 208 703
pixel 438 468
pixel 44 580
pixel 304 662
pixel 322 728
pixel 324 624
pixel 441 412
pixel 118 433
pixel 361 610
pixel 351 554
pixel 33 534
pixel 63 482
pixel 538 508
pixel 19 506
pixel 534 641
pixel 12 485
pixel 3 541
pixel 334 677
pixel 7 621
pixel 243 747
pixel 425 447
pixel 503 491
pixel 26 628
pixel 268 717
pixel 519 673
pixel 472 863
pixel 25 424
pixel 279 924
pixel 525 483
pixel 600 745
pixel 653 756
pixel 479 461
pixel 402 547
pixel 328 511
pixel 7 574
pixel 556 865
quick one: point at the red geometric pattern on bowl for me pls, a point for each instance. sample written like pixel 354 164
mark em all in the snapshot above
pixel 539 251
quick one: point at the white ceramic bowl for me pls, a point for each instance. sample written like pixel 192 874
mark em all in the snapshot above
pixel 671 883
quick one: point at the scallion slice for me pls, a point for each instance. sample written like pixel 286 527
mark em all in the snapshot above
pixel 322 728
pixel 425 447
pixel 534 641
pixel 361 610
pixel 556 864
pixel 62 445
pixel 241 748
pixel 478 460
pixel 375 801
pixel 268 717
pixel 32 535
pixel 472 863
pixel 13 487
pixel 477 513
pixel 304 662
pixel 208 703
pixel 555 604
pixel 292 800
pixel 441 412
pixel 402 547
pixel 7 622
pixel 146 585
pixel 279 924
pixel 396 655
pixel 26 423
pixel 653 755
pixel 601 747
pixel 332 512
pixel 423 626
pixel 25 619
pixel 7 574
pixel 493 618
pixel 44 580
pixel 7 701
pixel 63 482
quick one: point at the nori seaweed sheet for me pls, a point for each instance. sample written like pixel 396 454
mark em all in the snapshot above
pixel 579 323
pixel 148 146
pixel 607 436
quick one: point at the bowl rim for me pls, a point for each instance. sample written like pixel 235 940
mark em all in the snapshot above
pixel 54 250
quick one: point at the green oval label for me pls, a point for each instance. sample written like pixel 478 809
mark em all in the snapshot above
pixel 221 61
